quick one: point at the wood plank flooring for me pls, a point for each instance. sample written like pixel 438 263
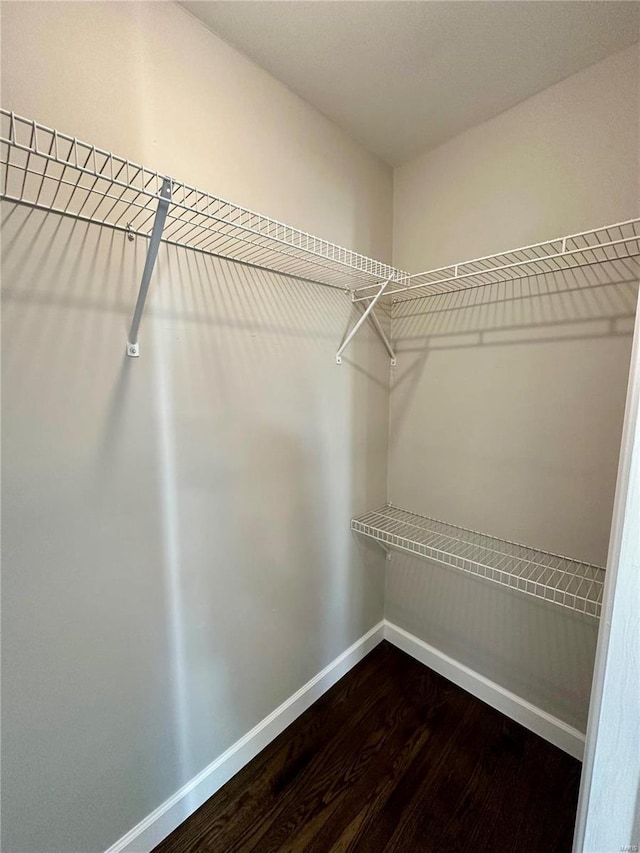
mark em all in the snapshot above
pixel 393 758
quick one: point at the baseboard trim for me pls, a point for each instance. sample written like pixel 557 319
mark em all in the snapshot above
pixel 156 826
pixel 163 820
pixel 533 718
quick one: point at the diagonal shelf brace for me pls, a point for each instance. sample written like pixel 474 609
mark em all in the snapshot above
pixel 369 311
pixel 383 338
pixel 164 198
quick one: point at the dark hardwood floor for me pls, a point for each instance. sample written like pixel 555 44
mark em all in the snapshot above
pixel 393 758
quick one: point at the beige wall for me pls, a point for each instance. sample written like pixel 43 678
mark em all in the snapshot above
pixel 558 163
pixel 507 402
pixel 150 82
pixel 177 559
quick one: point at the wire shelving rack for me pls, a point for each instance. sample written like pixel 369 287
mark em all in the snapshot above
pixel 53 171
pixel 560 580
pixel 618 243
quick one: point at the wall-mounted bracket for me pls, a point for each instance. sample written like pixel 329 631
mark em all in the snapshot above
pixel 133 349
pixel 383 338
pixel 366 313
pixel 387 550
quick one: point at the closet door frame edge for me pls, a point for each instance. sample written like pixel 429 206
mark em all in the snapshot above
pixel 616 583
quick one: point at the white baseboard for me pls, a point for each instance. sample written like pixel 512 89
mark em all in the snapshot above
pixel 535 719
pixel 163 820
pixel 156 826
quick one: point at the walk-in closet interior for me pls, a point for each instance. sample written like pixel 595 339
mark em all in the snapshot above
pixel 397 404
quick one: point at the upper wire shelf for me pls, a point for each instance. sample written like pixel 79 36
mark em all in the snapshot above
pixel 53 171
pixel 560 580
pixel 611 243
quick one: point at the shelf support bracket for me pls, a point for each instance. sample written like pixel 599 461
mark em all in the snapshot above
pixel 383 338
pixel 368 311
pixel 133 349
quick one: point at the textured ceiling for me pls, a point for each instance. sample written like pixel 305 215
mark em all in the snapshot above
pixel 400 76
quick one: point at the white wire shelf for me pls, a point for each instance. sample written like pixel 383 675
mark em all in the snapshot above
pixel 53 171
pixel 560 580
pixel 618 243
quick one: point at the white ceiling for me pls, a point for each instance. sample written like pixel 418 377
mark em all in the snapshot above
pixel 402 76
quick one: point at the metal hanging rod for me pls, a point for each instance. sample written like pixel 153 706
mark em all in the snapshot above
pixel 619 242
pixel 53 171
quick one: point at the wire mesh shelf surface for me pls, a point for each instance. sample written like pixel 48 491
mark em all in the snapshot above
pixel 53 171
pixel 612 243
pixel 553 578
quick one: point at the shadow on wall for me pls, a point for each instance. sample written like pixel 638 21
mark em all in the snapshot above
pixel 540 652
pixel 506 415
pixel 588 302
pixel 511 382
pixel 184 517
pixel 209 291
pixel 593 302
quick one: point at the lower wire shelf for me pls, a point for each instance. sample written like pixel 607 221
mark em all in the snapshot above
pixel 560 580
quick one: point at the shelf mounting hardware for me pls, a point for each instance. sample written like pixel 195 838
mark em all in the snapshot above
pixel 133 349
pixel 369 311
pixel 383 338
